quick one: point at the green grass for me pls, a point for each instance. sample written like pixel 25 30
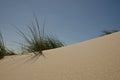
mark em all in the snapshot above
pixel 3 50
pixel 2 47
pixel 107 32
pixel 37 41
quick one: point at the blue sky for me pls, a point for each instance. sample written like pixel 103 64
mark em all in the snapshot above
pixel 72 21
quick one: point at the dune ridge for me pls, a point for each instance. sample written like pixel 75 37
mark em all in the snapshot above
pixel 95 59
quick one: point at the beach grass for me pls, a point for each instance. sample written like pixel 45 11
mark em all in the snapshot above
pixel 107 32
pixel 3 50
pixel 38 40
pixel 2 47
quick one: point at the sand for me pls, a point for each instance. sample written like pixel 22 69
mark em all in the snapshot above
pixel 95 59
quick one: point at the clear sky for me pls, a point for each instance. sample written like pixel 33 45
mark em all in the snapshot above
pixel 72 21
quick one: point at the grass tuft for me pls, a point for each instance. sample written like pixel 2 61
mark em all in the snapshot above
pixel 3 50
pixel 38 40
pixel 107 32
pixel 2 47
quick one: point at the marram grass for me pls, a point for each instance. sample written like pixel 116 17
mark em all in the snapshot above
pixel 38 40
pixel 107 32
pixel 2 47
pixel 3 50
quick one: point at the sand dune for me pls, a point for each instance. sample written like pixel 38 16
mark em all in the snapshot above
pixel 95 59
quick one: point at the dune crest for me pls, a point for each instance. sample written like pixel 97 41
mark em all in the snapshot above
pixel 95 59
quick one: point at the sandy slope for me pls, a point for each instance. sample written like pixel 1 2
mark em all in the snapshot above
pixel 96 59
